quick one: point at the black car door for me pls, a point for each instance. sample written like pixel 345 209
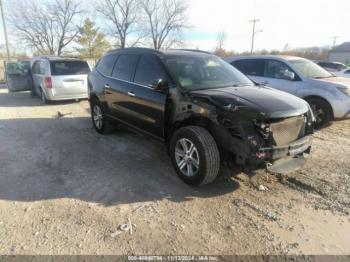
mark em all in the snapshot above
pixel 134 101
pixel 18 76
pixel 118 91
pixel 148 105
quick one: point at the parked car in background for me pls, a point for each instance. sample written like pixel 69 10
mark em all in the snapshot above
pixel 202 108
pixel 328 95
pixel 333 67
pixel 56 78
pixel 51 78
pixel 343 73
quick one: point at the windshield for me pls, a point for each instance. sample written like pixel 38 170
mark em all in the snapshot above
pixel 204 72
pixel 69 68
pixel 310 69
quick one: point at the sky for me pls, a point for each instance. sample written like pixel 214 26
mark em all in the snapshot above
pixel 298 23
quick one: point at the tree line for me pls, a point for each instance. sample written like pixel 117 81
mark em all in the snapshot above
pixel 56 27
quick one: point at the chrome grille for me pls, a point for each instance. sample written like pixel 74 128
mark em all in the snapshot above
pixel 288 130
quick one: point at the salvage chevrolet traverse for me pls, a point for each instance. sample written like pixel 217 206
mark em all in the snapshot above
pixel 202 108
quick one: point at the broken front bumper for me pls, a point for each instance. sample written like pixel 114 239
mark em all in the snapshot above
pixel 286 159
pixel 294 149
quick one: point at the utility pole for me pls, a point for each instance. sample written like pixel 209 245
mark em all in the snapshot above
pixel 254 21
pixel 5 30
pixel 335 40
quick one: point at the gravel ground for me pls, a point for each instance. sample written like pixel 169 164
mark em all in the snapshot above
pixel 66 190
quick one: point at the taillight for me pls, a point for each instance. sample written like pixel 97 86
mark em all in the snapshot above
pixel 48 82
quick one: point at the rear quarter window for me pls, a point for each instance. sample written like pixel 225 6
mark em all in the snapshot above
pixel 251 67
pixel 69 68
pixel 125 67
pixel 106 64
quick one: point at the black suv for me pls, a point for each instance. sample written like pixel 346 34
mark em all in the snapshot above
pixel 202 108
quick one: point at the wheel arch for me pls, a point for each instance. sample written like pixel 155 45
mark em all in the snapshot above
pixel 93 97
pixel 187 119
pixel 321 98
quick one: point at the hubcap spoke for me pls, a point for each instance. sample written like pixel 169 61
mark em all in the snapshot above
pixel 195 163
pixel 182 164
pixel 190 169
pixel 187 157
pixel 180 153
pixel 184 145
pixel 97 116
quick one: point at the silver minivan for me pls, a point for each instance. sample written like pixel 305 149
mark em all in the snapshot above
pixel 56 79
pixel 51 78
pixel 327 94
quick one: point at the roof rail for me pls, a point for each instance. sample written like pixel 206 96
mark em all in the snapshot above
pixel 135 49
pixel 193 50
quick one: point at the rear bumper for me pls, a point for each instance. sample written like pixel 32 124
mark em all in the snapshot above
pixel 52 95
pixel 71 97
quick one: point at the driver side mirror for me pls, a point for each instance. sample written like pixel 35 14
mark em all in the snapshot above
pixel 160 85
pixel 288 75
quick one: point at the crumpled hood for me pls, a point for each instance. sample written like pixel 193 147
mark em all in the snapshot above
pixel 268 101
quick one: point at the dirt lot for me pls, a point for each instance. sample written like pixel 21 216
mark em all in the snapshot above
pixel 65 190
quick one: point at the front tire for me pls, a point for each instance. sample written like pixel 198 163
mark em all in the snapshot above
pixel 322 112
pixel 99 120
pixel 195 155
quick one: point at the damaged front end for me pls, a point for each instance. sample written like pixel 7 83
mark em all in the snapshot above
pixel 258 139
pixel 287 141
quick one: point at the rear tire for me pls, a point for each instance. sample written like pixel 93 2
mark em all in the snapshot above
pixel 99 120
pixel 195 155
pixel 43 97
pixel 322 111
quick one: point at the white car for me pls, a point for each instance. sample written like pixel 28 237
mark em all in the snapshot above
pixel 327 94
pixel 333 67
pixel 343 73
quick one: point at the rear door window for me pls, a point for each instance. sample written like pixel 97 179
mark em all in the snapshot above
pixel 149 69
pixel 59 68
pixel 124 69
pixel 251 67
pixel 106 64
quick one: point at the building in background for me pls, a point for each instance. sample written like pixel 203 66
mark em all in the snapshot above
pixel 340 53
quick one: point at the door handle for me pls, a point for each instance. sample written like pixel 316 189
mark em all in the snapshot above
pixel 265 83
pixel 132 94
pixel 107 86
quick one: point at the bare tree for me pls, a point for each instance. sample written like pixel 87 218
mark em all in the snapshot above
pixel 65 14
pixel 48 28
pixel 221 39
pixel 166 20
pixel 124 15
